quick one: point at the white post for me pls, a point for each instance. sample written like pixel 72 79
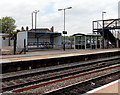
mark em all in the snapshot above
pixel 85 42
pixel 74 42
pixel 90 43
pixel 81 41
pixel 96 42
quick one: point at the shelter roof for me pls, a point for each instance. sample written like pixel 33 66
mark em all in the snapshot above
pixel 89 34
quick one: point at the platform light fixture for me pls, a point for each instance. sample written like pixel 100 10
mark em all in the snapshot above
pixel 64 32
pixel 36 11
pixel 103 15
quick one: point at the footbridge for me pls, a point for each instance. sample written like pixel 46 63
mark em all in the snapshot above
pixel 110 31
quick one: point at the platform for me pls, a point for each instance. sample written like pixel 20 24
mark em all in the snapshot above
pixel 52 54
pixel 33 60
pixel 112 87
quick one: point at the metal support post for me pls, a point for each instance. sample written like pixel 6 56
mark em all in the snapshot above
pixel 37 42
pixel 24 46
pixel 64 30
pixel 32 20
pixel 35 20
pixel 15 39
pixel 103 36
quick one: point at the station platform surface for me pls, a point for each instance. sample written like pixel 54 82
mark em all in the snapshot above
pixel 113 87
pixel 43 54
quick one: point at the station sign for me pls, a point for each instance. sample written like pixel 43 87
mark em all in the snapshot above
pixel 64 32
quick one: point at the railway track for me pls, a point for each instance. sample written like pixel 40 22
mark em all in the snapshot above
pixel 24 80
pixel 55 85
pixel 85 86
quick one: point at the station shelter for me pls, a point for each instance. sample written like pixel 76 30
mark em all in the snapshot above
pixel 40 38
pixel 86 41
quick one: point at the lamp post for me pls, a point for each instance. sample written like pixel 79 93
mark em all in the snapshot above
pixel 103 29
pixel 64 32
pixel 103 15
pixel 36 11
pixel 32 20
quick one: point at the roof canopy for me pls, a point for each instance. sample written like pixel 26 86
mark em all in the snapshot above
pixel 90 34
pixel 40 30
pixel 44 31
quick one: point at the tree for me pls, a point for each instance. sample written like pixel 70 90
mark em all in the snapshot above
pixel 8 26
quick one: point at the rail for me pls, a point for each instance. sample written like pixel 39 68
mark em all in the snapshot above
pixel 63 79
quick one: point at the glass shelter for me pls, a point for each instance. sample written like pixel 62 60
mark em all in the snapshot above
pixel 86 41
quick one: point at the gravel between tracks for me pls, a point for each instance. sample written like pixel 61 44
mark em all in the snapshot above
pixel 61 84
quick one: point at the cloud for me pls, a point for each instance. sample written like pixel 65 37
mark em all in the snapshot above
pixel 78 19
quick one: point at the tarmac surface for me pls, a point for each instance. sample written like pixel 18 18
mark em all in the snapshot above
pixel 45 52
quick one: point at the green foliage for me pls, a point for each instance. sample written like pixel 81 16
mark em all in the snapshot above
pixel 8 24
pixel 69 37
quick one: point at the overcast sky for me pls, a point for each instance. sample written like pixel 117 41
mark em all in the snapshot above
pixel 78 19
